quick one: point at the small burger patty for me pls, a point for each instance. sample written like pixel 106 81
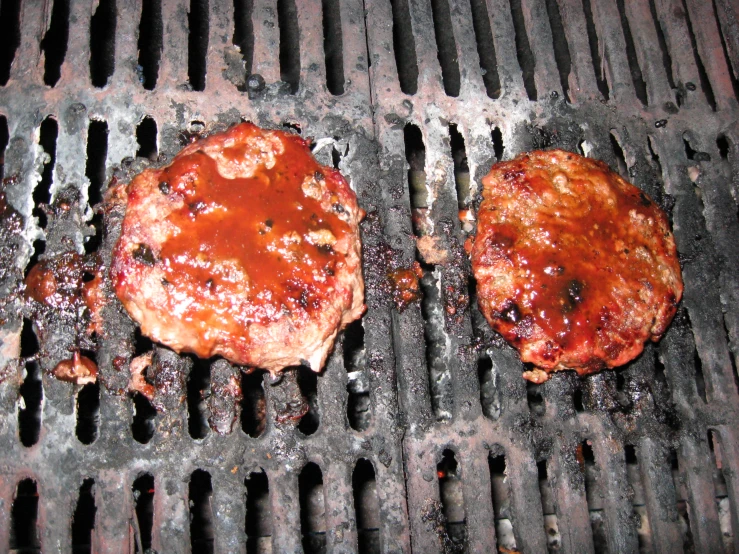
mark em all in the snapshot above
pixel 243 247
pixel 575 267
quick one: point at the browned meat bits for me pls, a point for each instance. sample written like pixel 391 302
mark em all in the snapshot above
pixel 243 247
pixel 575 267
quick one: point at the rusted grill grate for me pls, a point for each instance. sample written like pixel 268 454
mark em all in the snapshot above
pixel 420 434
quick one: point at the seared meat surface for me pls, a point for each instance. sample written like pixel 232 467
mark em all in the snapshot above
pixel 575 267
pixel 243 247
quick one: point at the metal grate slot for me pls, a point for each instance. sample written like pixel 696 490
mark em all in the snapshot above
pixel 332 46
pixel 415 155
pixel 723 502
pixel 24 538
pixel 366 507
pixel 640 87
pixel 143 521
pixel 561 48
pixel 638 502
pixel 4 138
pixel 551 527
pixel 10 36
pixel 442 401
pixel 501 496
pixel 202 532
pixel 452 501
pixel 88 411
pixel 702 74
pixel 666 58
pixel 54 43
pixel 359 410
pixel 102 43
pixel 593 495
pixel 485 47
pixel 526 58
pixel 198 388
pixel 97 152
pixel 489 392
pixel 253 405
pixel 150 43
pixel 312 509
pixel 142 426
pixel 722 143
pixel 431 306
pixel 577 400
pixel 404 46
pixel 31 391
pixel 197 43
pixel 618 153
pixel 700 381
pixel 682 506
pixel 48 133
pixel 243 36
pixel 595 51
pixel 535 400
pixel 146 137
pixel 287 16
pixel 461 168
pixel 731 69
pixel 446 47
pixel 732 356
pixel 83 520
pixel 308 383
pixel 336 156
pixel 258 514
pixel 498 146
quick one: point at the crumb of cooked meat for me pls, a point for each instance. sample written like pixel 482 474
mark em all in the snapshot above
pixel 79 370
pixel 138 381
pixel 431 250
pixel 404 285
pixel 575 267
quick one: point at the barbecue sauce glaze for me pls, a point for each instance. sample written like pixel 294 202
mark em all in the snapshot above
pixel 576 267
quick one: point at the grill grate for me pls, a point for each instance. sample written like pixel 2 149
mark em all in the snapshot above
pixel 420 434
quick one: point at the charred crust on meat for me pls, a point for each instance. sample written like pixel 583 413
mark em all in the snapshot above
pixel 196 207
pixel 164 187
pixel 338 208
pixel 511 313
pixel 144 254
pixel 572 296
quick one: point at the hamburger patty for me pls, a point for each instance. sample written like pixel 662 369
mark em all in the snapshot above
pixel 575 267
pixel 243 247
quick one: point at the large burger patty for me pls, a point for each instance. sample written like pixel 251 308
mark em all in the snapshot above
pixel 575 267
pixel 243 247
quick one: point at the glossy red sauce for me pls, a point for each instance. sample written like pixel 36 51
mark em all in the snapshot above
pixel 561 293
pixel 581 258
pixel 258 224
